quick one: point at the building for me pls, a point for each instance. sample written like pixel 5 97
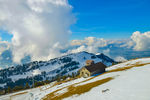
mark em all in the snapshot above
pixel 89 62
pixel 92 68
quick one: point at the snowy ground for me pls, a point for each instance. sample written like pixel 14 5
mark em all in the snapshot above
pixel 132 84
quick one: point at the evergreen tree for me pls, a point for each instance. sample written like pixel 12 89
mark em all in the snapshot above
pixel 9 90
pixel 58 78
pixel 17 88
pixel 73 75
pixel 64 77
pixel 27 86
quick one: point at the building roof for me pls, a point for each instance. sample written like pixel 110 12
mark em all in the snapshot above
pixel 89 62
pixel 94 67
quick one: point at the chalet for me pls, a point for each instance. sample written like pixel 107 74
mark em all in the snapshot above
pixel 92 68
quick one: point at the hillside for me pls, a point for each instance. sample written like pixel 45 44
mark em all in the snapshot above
pixel 125 81
pixel 21 74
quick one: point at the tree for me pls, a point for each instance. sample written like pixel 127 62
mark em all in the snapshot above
pixel 17 88
pixel 2 92
pixel 27 86
pixel 58 78
pixel 73 75
pixel 9 90
pixel 64 77
pixel 78 73
pixel 47 81
pixel 38 84
pixel 69 76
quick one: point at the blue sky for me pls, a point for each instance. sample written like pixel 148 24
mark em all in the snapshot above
pixel 110 19
pixel 5 35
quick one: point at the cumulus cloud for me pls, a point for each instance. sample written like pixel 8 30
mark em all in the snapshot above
pixel 4 45
pixel 141 41
pixel 89 44
pixel 39 27
pixel 120 59
pixel 127 44
pixel 90 41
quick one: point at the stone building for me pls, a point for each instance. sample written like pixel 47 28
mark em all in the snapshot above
pixel 92 68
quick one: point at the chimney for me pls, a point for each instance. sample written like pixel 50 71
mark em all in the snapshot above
pixel 89 62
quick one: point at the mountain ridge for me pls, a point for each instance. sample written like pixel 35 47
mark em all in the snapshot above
pixel 21 74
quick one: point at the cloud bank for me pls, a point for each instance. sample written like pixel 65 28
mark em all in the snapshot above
pixel 39 27
pixel 141 40
pixel 137 42
pixel 89 44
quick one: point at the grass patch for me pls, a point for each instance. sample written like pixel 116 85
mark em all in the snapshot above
pixel 73 90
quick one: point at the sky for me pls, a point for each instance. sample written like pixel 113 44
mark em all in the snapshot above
pixel 110 19
pixel 5 35
pixel 46 29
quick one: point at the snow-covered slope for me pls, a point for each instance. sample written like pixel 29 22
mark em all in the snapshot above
pixel 22 74
pixel 125 81
pixel 129 84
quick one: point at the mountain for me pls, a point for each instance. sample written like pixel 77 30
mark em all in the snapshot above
pixel 22 74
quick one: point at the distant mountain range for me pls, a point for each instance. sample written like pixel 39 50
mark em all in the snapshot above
pixel 22 74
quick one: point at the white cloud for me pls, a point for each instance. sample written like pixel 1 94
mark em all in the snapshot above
pixel 120 59
pixel 79 49
pixel 90 41
pixel 141 40
pixel 4 45
pixel 106 52
pixel 127 44
pixel 89 44
pixel 76 42
pixel 39 27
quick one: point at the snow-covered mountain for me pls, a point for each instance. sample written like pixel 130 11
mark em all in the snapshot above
pixel 22 74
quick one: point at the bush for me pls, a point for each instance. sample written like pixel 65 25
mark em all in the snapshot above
pixel 36 84
pixel 27 86
pixel 17 88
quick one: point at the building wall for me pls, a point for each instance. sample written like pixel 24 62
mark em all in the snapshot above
pixel 102 70
pixel 84 73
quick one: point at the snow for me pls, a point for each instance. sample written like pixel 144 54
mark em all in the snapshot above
pixel 120 59
pixel 2 85
pixel 130 63
pixel 36 72
pixel 132 84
